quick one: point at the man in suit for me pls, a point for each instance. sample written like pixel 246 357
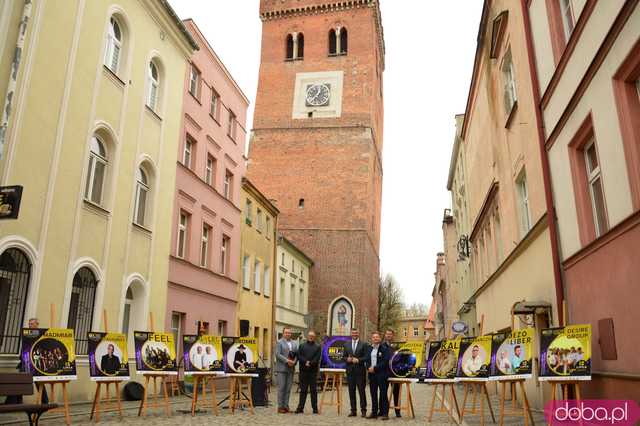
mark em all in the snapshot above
pixel 389 337
pixel 110 363
pixel 309 358
pixel 355 355
pixel 240 359
pixel 378 369
pixel 285 351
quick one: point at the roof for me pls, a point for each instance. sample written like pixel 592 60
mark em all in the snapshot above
pixel 176 20
pixel 454 151
pixel 248 186
pixel 293 247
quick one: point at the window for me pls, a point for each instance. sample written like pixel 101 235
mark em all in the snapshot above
pixel 281 292
pixel 267 281
pixel 300 47
pixel 204 246
pixel 256 276
pixel 404 332
pixel 81 307
pixel 292 296
pixel 176 328
pixel 194 82
pixel 596 191
pixel 259 220
pixel 508 75
pixel 265 345
pixel 301 301
pixel 209 175
pixel 126 313
pixel 424 332
pixel 96 171
pixel 188 152
pixel 224 254
pixel 268 226
pixel 15 275
pixel 214 105
pixel 245 272
pixel 523 204
pixel 293 267
pixel 182 235
pixel 568 21
pixel 231 129
pixel 228 185
pixel 415 332
pixel 114 46
pixel 497 231
pixel 301 203
pixel 142 194
pixel 153 85
pixel 344 40
pixel 282 261
pixel 289 47
pixel 248 212
pixel 222 328
pixel 333 42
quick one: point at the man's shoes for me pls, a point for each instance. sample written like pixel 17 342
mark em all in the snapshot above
pixel 282 411
pixel 316 412
pixel 286 410
pixel 364 414
pixel 299 411
pixel 398 415
pixel 384 418
pixel 352 414
pixel 372 416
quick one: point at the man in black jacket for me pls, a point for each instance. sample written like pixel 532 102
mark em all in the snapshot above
pixel 389 337
pixel 378 368
pixel 309 361
pixel 355 355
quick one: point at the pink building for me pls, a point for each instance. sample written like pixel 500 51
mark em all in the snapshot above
pixel 203 265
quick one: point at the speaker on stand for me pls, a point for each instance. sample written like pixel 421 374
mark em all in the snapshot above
pixel 244 328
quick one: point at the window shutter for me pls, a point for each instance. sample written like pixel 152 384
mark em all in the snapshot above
pixel 114 57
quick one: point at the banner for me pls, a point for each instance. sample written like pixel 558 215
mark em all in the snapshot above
pixel 202 354
pixel 332 352
pixel 240 355
pixel 474 358
pixel 407 359
pixel 155 352
pixel 49 354
pixel 108 358
pixel 442 361
pixel 512 354
pixel 565 353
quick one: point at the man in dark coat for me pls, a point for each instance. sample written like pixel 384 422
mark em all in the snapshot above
pixel 355 355
pixel 389 337
pixel 240 359
pixel 378 368
pixel 110 363
pixel 309 361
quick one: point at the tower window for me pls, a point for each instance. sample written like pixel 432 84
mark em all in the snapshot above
pixel 289 47
pixel 333 42
pixel 301 203
pixel 300 43
pixel 344 40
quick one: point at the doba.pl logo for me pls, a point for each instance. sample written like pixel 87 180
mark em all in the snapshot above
pixel 592 412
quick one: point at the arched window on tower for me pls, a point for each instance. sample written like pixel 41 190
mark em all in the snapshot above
pixel 289 47
pixel 344 40
pixel 300 52
pixel 333 42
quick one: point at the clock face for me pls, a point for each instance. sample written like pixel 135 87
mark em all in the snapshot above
pixel 318 94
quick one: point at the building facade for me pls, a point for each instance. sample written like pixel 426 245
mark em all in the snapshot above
pixel 316 147
pixel 414 328
pixel 292 281
pixel 256 307
pixel 205 250
pixel 92 137
pixel 586 65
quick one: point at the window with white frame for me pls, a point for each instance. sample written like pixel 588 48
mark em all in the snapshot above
pixel 142 196
pixel 416 332
pixel 228 185
pixel 301 300
pixel 282 259
pixel 256 276
pixel 209 175
pixel 259 220
pixel 596 190
pixel 281 295
pixel 194 82
pixel 214 106
pixel 114 45
pixel 176 328
pixel 509 81
pixel 248 212
pixel 204 245
pixel 292 295
pixel 188 152
pixel 231 129
pixel 153 83
pixel 246 272
pixel 96 171
pixel 224 254
pixel 523 204
pixel 222 328
pixel 568 19
pixel 267 227
pixel 267 281
pixel 183 226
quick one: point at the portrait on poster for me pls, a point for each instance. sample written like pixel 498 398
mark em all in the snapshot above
pixel 341 317
pixel 202 354
pixel 240 355
pixel 108 359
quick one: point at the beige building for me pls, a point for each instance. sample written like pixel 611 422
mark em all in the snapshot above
pixel 92 137
pixel 414 328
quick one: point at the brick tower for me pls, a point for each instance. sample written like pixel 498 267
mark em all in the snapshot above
pixel 316 146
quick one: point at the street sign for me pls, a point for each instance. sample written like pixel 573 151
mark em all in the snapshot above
pixel 10 197
pixel 459 327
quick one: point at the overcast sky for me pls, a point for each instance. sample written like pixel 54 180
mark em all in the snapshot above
pixel 430 48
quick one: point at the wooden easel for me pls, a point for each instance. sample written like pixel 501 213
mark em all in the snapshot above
pixel 335 378
pixel 443 406
pixel 41 385
pixel 108 401
pixel 202 379
pixel 408 405
pixel 157 400
pixel 237 397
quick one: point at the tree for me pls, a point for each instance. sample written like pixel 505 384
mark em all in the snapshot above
pixel 390 304
pixel 417 310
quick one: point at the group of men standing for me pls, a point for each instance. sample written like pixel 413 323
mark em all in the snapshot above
pixel 365 362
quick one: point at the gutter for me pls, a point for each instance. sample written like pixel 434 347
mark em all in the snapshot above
pixel 13 76
pixel 546 170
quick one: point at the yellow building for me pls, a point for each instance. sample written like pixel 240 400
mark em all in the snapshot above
pixel 92 137
pixel 255 316
pixel 414 328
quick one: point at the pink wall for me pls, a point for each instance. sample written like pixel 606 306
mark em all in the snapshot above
pixel 208 293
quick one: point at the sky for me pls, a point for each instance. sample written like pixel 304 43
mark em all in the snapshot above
pixel 430 47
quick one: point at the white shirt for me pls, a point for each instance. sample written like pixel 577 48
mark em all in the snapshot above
pixel 374 355
pixel 290 345
pixel 197 361
pixel 354 345
pixel 472 366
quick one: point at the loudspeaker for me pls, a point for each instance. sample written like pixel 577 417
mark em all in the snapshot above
pixel 259 388
pixel 244 328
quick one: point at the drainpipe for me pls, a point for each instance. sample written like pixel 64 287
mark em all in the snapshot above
pixel 546 171
pixel 13 76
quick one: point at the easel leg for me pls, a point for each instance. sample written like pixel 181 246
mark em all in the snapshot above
pixel 65 400
pixel 455 401
pixel 486 394
pixel 167 406
pixel 525 402
pixel 194 401
pixel 248 381
pixel 553 398
pixel 339 393
pixel 481 404
pixel 118 402
pixel 503 396
pixel 145 395
pixel 213 396
pixel 232 389
pixel 433 403
pixel 96 404
pixel 410 397
pixel 464 401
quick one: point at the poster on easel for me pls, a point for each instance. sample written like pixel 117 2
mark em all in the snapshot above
pixel 565 353
pixel 474 358
pixel 49 354
pixel 442 361
pixel 202 354
pixel 240 355
pixel 407 359
pixel 108 357
pixel 333 352
pixel 512 354
pixel 155 352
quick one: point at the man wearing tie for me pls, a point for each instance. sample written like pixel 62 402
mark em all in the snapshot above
pixel 355 355
pixel 378 368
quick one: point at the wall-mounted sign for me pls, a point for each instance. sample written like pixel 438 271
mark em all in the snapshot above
pixel 10 197
pixel 459 327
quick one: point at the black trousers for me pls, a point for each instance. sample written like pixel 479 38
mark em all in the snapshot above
pixel 357 380
pixel 308 384
pixel 379 386
pixel 396 396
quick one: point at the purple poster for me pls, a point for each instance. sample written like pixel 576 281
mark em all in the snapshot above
pixel 332 352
